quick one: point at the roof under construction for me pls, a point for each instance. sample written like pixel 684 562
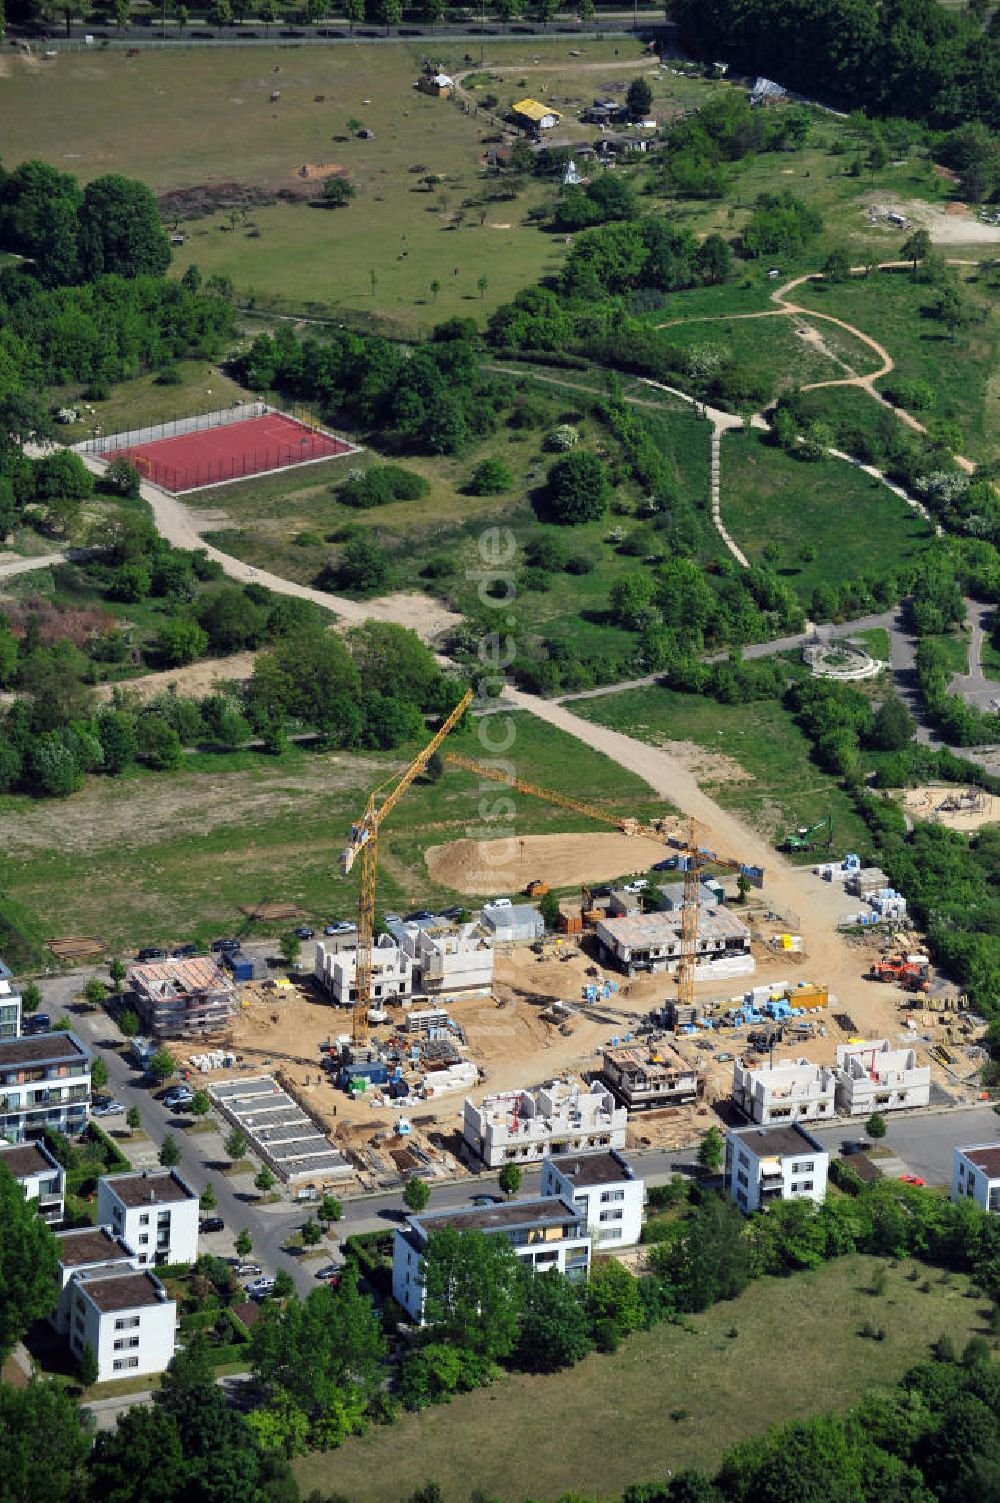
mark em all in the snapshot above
pixel 177 978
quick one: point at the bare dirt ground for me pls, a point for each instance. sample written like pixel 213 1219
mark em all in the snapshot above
pixel 556 859
pixel 194 681
pixel 707 766
pixel 925 803
pixel 943 224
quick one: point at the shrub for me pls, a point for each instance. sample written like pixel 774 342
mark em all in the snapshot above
pixel 562 438
pixel 381 485
pixel 490 478
pixel 578 489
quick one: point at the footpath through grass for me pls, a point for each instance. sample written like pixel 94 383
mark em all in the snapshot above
pixel 667 1399
pixel 783 787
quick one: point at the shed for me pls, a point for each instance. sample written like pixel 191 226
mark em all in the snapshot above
pixel 519 924
pixel 534 115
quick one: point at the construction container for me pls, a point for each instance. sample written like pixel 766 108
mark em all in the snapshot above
pixel 571 924
pixel 808 995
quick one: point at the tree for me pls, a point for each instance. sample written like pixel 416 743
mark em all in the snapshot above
pixel 28 1264
pixel 390 13
pixel 133 1119
pixel 509 1179
pixel 482 283
pixel 837 266
pixel 98 1074
pixel 491 477
pixel 329 1209
pixel 471 1291
pixel 244 1243
pixel 180 640
pixel 312 1233
pixel 95 992
pixel 354 11
pixel 162 1065
pixel 639 99
pixel 892 726
pixel 416 1193
pixel 284 1284
pixel 554 1330
pixel 264 1181
pixel 236 1145
pixel 221 13
pixel 117 972
pixel 208 1200
pixel 157 743
pixel 200 1104
pixel 548 907
pixel 578 488
pixel 337 191
pixel 876 1126
pixel 711 1151
pixel 122 479
pixel 45 1448
pixel 290 945
pixel 916 247
pixel 121 231
pixel 31 999
pixel 87 1369
pixel 169 1154
pixel 128 1024
pixel 363 564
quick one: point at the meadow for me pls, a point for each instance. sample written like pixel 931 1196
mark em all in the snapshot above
pixel 160 858
pixel 828 520
pixel 674 1397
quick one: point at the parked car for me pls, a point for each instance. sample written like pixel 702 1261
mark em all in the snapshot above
pixel 178 1095
pixel 211 1224
pixel 329 1271
pixel 454 912
pixel 340 927
pixel 259 1288
pixel 36 1022
pixel 221 945
pixel 422 916
pixel 855 1145
pixel 107 1107
pixel 304 932
pixel 499 903
pixel 248 1270
pixel 484 1201
pixel 184 952
pixel 912 1179
pixel 152 952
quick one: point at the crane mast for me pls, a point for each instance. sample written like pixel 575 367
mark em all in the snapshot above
pixel 364 843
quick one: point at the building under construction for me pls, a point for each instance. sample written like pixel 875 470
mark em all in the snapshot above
pixel 652 942
pixel 642 1077
pixel 181 998
pixel 560 1116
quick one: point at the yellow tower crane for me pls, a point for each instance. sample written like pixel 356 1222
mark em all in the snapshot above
pixel 364 842
pixel 697 858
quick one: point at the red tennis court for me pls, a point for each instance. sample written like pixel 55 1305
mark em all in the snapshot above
pixel 230 451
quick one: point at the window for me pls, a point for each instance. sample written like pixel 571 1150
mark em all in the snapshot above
pixel 144 1219
pixel 610 1233
pixel 126 1343
pixel 742 1179
pixel 961 1171
pixel 122 1362
pixel 805 1167
pixel 608 1195
pixel 126 1322
pixel 611 1215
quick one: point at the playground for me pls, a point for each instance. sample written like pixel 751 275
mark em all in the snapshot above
pixel 220 450
pixel 954 807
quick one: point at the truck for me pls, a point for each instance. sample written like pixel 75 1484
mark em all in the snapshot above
pixel 907 971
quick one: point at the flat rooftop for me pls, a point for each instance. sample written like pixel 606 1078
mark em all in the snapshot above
pixel 587 1169
pixel 121 1291
pixel 542 1210
pixel 178 978
pixel 652 1059
pixel 777 1142
pixel 638 931
pixel 986 1158
pixel 43 1049
pixel 26 1159
pixel 89 1244
pixel 153 1187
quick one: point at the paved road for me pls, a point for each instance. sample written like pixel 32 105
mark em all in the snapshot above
pixel 926 1142
pixel 974 686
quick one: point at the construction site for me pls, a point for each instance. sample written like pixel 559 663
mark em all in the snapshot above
pixel 630 1015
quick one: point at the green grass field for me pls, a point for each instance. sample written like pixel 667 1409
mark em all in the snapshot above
pixel 785 788
pixel 774 348
pixel 665 1400
pixel 853 523
pixel 893 308
pixel 158 857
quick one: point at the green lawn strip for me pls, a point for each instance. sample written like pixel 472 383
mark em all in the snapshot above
pixel 774 349
pixel 195 386
pixel 876 639
pixel 785 789
pixel 955 647
pixel 989 656
pixel 893 308
pixel 668 1399
pixel 852 523
pixel 202 842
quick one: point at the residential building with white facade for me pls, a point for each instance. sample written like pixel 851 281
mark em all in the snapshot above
pixel 872 1077
pixel 559 1116
pixel 547 1232
pixel 10 1005
pixel 651 942
pixel 795 1090
pixel 392 973
pixel 764 1164
pixel 44 1082
pixel 82 1248
pixel 125 1317
pixel 602 1186
pixel 40 1175
pixel 155 1212
pixel 976 1173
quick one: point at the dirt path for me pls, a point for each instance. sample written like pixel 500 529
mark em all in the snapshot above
pixel 792 890
pixel 194 680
